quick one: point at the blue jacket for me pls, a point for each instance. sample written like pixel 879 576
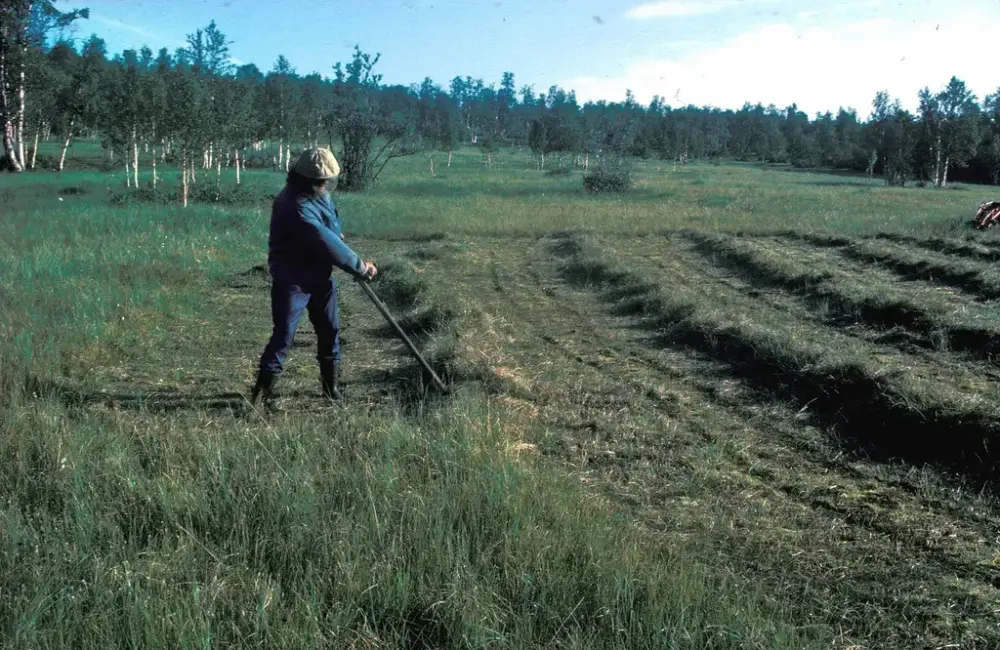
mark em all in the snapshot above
pixel 305 242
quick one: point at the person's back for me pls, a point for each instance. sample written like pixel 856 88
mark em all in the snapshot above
pixel 304 242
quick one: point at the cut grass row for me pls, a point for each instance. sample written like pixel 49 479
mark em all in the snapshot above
pixel 937 320
pixel 888 403
pixel 670 434
pixel 984 250
pixel 978 280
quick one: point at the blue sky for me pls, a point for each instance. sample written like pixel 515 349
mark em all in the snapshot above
pixel 821 54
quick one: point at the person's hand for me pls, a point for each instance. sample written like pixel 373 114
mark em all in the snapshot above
pixel 368 270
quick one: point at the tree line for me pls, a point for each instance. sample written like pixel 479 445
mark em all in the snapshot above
pixel 195 109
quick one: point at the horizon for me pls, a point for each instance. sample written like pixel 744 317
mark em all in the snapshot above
pixel 820 56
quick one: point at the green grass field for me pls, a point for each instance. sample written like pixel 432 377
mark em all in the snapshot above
pixel 735 408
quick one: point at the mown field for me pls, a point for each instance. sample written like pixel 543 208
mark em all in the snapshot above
pixel 735 408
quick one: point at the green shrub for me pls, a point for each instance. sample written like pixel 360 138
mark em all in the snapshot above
pixel 202 193
pixel 608 178
pixel 257 160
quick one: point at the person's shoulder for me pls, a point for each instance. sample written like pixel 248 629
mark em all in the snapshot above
pixel 284 197
pixel 308 207
pixel 280 202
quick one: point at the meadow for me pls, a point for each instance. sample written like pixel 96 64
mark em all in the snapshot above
pixel 736 407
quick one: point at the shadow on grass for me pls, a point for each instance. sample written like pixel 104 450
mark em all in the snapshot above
pixel 851 177
pixel 867 414
pixel 407 387
pixel 858 183
pixel 156 401
pixel 256 277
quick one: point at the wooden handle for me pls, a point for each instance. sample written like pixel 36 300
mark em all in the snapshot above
pixel 399 330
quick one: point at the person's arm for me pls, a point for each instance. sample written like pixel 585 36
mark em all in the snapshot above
pixel 324 242
pixel 369 270
pixel 336 214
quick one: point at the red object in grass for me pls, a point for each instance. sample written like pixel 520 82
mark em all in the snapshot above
pixel 989 213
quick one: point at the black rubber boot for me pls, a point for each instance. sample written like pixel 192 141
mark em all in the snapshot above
pixel 264 388
pixel 329 372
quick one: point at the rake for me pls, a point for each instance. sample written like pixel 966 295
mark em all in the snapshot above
pixel 399 331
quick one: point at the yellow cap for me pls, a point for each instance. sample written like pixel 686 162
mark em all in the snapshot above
pixel 317 163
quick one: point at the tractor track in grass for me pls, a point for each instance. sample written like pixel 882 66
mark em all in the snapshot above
pixel 671 431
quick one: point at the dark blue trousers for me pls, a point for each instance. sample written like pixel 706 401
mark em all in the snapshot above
pixel 287 304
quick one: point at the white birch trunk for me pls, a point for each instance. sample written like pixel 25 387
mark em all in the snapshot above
pixel 154 168
pixel 9 143
pixel 69 137
pixel 20 109
pixel 944 172
pixel 184 179
pixel 34 151
pixel 218 172
pixel 432 168
pixel 237 167
pixel 281 152
pixel 586 161
pixel 135 157
pixel 8 126
pixel 449 158
pixel 937 161
pixel 128 174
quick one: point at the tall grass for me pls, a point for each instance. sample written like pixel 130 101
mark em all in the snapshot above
pixel 372 531
pixel 79 275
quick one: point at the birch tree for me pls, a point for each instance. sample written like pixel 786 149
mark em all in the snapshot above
pixel 280 106
pixel 79 102
pixel 22 23
pixel 959 127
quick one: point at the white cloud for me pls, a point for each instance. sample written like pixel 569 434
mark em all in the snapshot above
pixel 677 8
pixel 673 8
pixel 819 68
pixel 111 22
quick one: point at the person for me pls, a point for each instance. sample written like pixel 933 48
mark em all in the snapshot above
pixel 305 243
